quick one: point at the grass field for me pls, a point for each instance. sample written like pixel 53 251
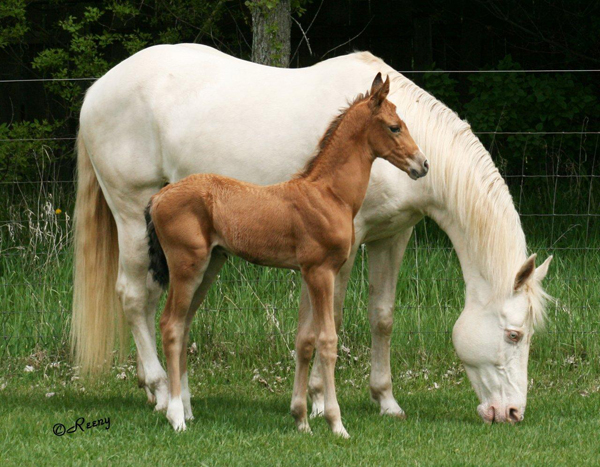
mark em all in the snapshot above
pixel 242 421
pixel 242 365
pixel 251 312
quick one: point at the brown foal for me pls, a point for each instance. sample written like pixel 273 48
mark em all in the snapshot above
pixel 305 224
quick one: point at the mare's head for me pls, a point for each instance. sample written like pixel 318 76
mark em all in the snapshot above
pixel 388 135
pixel 492 338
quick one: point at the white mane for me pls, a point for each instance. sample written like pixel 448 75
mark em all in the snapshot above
pixel 464 179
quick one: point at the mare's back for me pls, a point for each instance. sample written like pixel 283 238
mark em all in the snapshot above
pixel 189 109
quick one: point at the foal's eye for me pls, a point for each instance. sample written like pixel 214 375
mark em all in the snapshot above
pixel 395 129
pixel 513 336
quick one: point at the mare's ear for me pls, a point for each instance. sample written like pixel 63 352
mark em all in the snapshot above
pixel 380 94
pixel 540 272
pixel 525 273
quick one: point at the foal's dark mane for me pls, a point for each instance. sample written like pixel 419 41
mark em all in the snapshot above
pixel 328 136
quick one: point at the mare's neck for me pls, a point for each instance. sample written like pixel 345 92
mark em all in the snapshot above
pixel 487 236
pixel 478 287
pixel 342 170
pixel 464 193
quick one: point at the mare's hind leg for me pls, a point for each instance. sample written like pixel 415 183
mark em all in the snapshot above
pixel 217 260
pixel 316 384
pixel 154 293
pixel 141 377
pixel 136 299
pixel 187 268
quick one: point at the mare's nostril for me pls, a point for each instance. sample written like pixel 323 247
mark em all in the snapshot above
pixel 426 164
pixel 513 415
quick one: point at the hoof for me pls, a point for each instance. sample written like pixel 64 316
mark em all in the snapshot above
pixel 178 426
pixel 392 409
pixel 304 427
pixel 162 399
pixel 341 432
pixel 187 410
pixel 175 414
pixel 399 415
pixel 150 396
pixel 161 407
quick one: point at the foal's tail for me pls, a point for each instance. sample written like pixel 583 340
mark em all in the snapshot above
pixel 158 261
pixel 97 316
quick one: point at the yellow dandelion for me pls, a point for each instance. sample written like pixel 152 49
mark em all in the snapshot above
pixel 58 211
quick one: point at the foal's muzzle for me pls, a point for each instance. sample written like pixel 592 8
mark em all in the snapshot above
pixel 418 165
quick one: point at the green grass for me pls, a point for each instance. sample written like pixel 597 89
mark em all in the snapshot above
pixel 242 373
pixel 252 312
pixel 241 421
pixel 250 306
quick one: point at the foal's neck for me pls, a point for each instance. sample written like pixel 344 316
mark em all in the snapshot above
pixel 343 169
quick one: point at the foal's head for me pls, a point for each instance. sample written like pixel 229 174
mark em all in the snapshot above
pixel 388 135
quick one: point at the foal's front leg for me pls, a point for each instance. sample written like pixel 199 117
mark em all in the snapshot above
pixel 320 284
pixel 315 383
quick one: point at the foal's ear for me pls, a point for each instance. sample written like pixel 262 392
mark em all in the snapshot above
pixel 377 82
pixel 380 93
pixel 525 273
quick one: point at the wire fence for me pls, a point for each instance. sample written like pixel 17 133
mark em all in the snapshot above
pixel 560 214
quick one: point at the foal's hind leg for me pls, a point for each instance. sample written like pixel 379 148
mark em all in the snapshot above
pixel 217 260
pixel 305 344
pixel 187 269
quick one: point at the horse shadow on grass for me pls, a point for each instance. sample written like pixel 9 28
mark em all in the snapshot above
pixel 273 412
pixel 241 413
pixel 254 414
pixel 77 403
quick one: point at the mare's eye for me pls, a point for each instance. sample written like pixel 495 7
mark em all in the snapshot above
pixel 395 129
pixel 513 336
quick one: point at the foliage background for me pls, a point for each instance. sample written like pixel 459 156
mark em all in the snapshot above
pixel 75 39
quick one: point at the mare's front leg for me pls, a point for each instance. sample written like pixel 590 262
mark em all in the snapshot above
pixel 320 281
pixel 385 257
pixel 315 384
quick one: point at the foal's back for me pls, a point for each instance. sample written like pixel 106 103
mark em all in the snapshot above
pixel 265 225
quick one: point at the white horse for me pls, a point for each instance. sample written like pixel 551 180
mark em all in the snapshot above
pixel 172 110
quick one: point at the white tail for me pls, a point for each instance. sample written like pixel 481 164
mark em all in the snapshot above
pixel 97 314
